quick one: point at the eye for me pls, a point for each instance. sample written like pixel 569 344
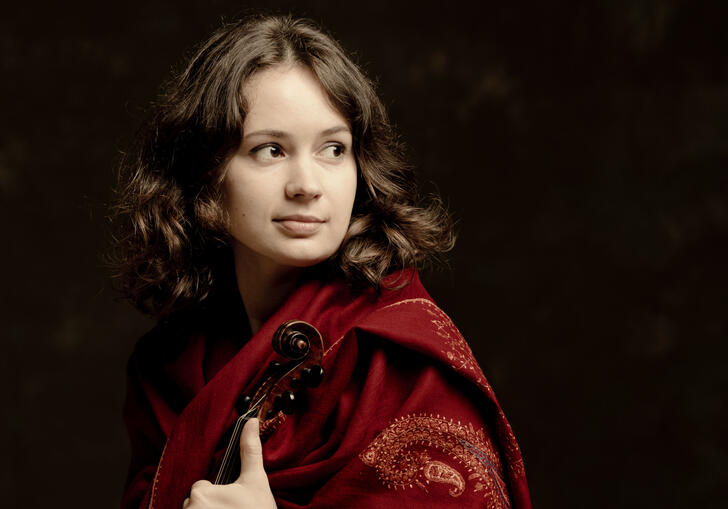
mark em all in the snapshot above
pixel 267 152
pixel 334 151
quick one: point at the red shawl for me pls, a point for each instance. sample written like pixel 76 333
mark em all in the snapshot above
pixel 404 416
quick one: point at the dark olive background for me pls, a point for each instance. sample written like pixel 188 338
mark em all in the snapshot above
pixel 581 145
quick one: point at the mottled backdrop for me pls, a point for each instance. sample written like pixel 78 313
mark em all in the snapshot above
pixel 583 149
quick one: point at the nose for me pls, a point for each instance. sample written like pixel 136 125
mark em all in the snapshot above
pixel 303 182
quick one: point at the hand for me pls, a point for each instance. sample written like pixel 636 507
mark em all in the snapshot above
pixel 250 490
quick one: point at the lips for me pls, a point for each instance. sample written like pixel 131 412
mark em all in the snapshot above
pixel 300 224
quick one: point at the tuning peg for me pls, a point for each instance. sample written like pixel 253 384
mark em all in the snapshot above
pixel 312 376
pixel 273 367
pixel 316 376
pixel 242 404
pixel 285 402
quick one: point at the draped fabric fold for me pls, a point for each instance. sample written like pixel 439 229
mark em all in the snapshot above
pixel 403 418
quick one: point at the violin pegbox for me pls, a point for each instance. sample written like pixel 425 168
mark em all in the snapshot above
pixel 302 347
pixel 301 344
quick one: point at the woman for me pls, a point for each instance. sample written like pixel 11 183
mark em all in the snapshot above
pixel 269 187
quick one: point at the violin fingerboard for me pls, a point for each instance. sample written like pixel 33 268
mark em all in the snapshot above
pixel 230 467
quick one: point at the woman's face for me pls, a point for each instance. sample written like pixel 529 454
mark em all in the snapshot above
pixel 289 189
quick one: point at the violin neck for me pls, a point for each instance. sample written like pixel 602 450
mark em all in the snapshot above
pixel 230 467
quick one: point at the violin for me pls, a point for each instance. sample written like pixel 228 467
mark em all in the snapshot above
pixel 302 346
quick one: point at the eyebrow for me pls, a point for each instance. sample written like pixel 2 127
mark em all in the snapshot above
pixel 273 133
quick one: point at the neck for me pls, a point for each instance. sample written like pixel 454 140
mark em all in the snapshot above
pixel 264 286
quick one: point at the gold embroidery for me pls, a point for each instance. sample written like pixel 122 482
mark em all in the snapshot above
pixel 512 451
pixel 442 472
pixel 333 345
pixel 155 482
pixel 456 349
pixel 400 455
pixel 461 358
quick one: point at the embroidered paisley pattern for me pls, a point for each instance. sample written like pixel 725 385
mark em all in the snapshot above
pixel 402 455
pixel 462 360
pixel 438 471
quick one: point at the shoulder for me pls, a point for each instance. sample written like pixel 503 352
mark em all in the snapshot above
pixel 411 319
pixel 167 361
pixel 447 434
pixel 409 314
pixel 166 341
pixel 402 297
pixel 176 334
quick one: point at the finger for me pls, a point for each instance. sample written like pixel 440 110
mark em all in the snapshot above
pixel 200 485
pixel 251 451
pixel 197 493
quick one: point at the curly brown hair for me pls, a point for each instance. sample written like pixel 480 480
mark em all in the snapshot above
pixel 171 242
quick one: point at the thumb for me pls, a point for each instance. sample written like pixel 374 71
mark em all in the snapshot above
pixel 251 452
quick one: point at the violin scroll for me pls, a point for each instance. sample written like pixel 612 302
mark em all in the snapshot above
pixel 300 342
pixel 292 339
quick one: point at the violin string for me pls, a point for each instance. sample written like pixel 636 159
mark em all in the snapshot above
pixel 233 448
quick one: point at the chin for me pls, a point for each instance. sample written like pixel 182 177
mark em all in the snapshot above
pixel 304 253
pixel 304 261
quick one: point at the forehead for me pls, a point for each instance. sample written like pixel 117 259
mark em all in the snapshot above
pixel 287 96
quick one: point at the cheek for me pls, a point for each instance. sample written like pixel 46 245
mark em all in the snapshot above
pixel 242 192
pixel 345 195
pixel 238 202
pixel 346 184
